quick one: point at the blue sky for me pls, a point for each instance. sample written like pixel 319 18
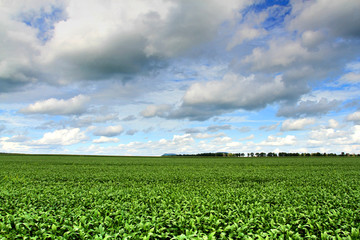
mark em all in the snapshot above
pixel 153 77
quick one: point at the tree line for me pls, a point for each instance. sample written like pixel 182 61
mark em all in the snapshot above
pixel 262 154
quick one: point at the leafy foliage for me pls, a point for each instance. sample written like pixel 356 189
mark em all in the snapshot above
pixel 85 197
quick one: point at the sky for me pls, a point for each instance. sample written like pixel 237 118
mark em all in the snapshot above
pixel 148 77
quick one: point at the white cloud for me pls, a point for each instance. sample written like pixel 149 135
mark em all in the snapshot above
pixel 324 134
pixel 178 144
pixel 297 124
pixel 356 134
pixel 156 110
pixel 52 106
pixel 18 138
pixel 207 135
pixel 353 73
pixel 204 100
pixel 333 123
pixel 244 34
pixel 250 137
pixel 308 108
pixel 13 147
pixel 221 140
pixel 109 131
pixel 17 51
pixel 351 77
pixel 280 54
pixel 336 140
pixel 279 141
pixel 103 139
pixel 172 55
pixel 62 137
pixel 338 17
pixel 311 39
pixel 232 90
pixel 354 117
pixel 90 119
pixel 269 127
pixel 99 40
pixel 182 139
pixel 353 66
pixel 68 41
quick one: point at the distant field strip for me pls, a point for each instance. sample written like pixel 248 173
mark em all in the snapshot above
pixel 94 197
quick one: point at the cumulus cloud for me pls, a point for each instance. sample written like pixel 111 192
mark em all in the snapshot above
pixel 109 131
pixel 333 123
pixel 279 141
pixel 207 135
pixel 131 132
pixel 118 40
pixel 308 108
pixel 52 106
pixel 90 119
pixel 269 127
pixel 336 140
pixel 18 48
pixel 296 125
pixel 190 59
pixel 207 99
pixel 177 144
pixel 351 78
pixel 23 26
pixel 341 18
pixel 316 52
pixel 156 110
pixel 252 136
pixel 62 137
pixel 323 134
pixel 100 41
pixel 272 59
pixel 6 145
pixel 103 139
pixel 244 129
pixel 311 39
pixel 353 75
pixel 65 41
pixel 18 138
pixel 245 34
pixel 354 117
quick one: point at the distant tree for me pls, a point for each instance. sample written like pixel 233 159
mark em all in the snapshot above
pixel 271 154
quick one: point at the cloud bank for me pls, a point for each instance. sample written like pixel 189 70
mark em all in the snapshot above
pixel 147 77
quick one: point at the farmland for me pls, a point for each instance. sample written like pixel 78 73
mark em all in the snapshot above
pixel 94 197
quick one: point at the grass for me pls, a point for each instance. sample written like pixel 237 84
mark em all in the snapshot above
pixel 94 197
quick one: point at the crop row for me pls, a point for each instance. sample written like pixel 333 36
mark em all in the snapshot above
pixel 54 197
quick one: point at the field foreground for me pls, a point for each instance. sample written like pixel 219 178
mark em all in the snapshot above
pixel 88 197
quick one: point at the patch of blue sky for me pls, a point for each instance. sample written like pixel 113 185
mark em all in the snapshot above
pixel 43 21
pixel 277 10
pixel 264 4
pixel 353 66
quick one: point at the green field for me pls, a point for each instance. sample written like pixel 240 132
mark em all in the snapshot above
pixel 88 197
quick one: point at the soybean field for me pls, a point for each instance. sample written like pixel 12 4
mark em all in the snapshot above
pixel 99 197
